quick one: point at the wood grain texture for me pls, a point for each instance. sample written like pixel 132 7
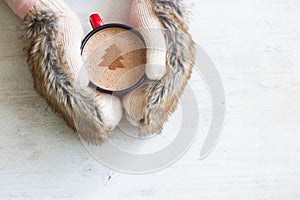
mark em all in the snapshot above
pixel 254 44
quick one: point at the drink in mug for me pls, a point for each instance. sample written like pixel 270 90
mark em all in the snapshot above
pixel 114 56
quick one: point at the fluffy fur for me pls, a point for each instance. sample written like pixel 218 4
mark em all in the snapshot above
pixel 56 85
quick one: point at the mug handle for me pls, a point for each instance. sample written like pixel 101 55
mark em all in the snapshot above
pixel 96 21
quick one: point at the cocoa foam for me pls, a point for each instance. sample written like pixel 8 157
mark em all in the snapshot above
pixel 115 59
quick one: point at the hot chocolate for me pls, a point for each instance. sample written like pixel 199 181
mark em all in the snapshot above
pixel 115 58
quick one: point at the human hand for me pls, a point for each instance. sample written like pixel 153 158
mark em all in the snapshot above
pixel 150 105
pixel 143 18
pixel 55 63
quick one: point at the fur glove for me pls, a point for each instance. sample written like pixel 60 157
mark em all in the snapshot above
pixel 55 63
pixel 165 26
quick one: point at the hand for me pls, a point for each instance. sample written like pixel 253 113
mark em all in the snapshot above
pixel 143 18
pixel 55 63
pixel 150 105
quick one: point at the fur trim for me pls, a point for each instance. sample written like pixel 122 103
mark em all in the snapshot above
pixel 162 96
pixel 55 85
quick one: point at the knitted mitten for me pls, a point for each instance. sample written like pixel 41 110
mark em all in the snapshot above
pixel 150 105
pixel 55 63
pixel 143 17
pixel 134 105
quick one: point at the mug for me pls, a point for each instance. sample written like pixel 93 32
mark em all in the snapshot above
pixel 114 56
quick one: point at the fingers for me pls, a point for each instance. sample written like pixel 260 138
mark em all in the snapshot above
pixel 156 53
pixel 143 17
pixel 110 108
pixel 134 106
pixel 69 39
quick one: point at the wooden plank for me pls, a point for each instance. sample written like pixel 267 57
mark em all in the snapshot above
pixel 255 46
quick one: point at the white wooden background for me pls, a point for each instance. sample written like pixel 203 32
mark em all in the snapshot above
pixel 256 48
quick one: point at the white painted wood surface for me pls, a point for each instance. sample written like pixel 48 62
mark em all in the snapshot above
pixel 255 46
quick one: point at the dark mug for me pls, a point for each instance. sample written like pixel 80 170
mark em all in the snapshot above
pixel 115 57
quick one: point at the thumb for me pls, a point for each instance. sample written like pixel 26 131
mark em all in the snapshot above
pixel 142 16
pixel 156 53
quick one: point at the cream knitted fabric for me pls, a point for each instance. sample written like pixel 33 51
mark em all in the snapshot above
pixel 111 108
pixel 143 17
pixel 69 35
pixel 134 105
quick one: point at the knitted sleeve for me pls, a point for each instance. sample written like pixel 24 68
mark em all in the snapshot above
pixel 21 7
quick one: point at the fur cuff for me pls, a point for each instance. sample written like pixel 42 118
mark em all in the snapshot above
pixel 162 96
